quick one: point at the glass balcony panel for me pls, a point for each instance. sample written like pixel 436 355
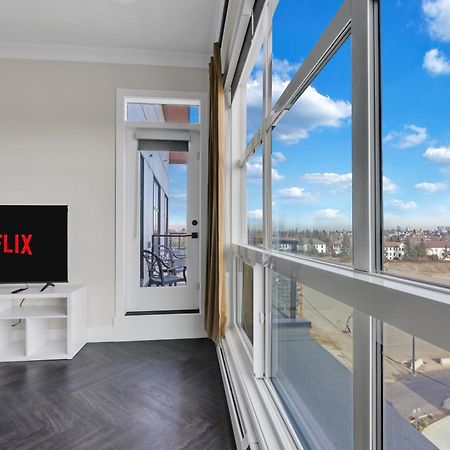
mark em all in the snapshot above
pixel 312 363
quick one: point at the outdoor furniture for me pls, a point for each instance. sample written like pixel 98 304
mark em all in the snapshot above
pixel 160 273
pixel 168 255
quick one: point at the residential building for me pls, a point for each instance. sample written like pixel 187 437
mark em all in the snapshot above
pixel 394 250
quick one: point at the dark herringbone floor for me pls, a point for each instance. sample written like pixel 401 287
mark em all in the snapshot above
pixel 162 395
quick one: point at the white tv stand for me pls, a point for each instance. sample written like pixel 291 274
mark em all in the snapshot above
pixel 52 326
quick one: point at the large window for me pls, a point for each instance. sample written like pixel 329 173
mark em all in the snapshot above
pixel 247 301
pixel 254 189
pixel 417 392
pixel 254 97
pixel 416 142
pixel 312 168
pixel 297 24
pixel 312 362
pixel 343 160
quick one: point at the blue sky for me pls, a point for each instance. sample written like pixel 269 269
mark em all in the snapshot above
pixel 312 143
pixel 177 196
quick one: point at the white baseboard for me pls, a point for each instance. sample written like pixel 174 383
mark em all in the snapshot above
pixel 150 328
pixel 263 427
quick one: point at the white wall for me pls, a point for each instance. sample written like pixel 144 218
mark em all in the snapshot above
pixel 57 145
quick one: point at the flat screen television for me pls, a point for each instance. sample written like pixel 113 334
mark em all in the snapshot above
pixel 33 244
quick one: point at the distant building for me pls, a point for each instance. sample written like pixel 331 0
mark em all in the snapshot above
pixel 317 244
pixel 286 245
pixel 439 249
pixel 336 248
pixel 394 250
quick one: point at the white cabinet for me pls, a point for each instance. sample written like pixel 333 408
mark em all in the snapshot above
pixel 38 325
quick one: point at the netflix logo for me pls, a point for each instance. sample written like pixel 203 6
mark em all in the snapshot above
pixel 17 244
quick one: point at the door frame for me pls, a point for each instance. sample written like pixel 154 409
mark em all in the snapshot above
pixel 122 96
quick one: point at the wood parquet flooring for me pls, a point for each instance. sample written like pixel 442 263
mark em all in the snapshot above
pixel 155 395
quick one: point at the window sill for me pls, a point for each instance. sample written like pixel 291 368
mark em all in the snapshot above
pixel 262 421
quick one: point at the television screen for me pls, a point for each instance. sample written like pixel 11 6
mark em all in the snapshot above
pixel 33 244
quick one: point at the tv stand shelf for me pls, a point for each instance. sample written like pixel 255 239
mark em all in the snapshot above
pixel 48 325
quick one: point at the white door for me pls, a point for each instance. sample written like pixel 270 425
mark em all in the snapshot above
pixel 162 226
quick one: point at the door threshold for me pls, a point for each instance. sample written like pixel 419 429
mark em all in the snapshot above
pixel 162 312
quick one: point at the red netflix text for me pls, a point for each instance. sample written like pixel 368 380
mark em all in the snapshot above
pixel 18 244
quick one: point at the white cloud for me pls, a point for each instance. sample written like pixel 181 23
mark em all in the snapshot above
pixel 403 205
pixel 438 154
pixel 437 13
pixel 255 171
pixel 445 170
pixel 328 213
pixel 329 178
pixel 311 111
pixel 343 180
pixel 278 157
pixel 276 176
pixel 178 195
pixel 410 136
pixel 431 187
pixel 289 136
pixel 284 68
pixel 295 193
pixel 388 185
pixel 436 63
pixel 255 214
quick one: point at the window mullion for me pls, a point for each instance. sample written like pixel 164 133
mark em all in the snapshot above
pixel 267 138
pixel 365 188
pixel 267 188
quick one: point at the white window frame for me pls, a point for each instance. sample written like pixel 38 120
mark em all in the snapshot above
pixel 415 307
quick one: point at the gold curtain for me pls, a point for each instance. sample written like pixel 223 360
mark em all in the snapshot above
pixel 215 301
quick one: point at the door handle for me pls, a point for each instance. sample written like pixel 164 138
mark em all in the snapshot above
pixel 193 235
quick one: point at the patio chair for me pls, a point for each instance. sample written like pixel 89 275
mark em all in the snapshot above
pixel 160 273
pixel 177 262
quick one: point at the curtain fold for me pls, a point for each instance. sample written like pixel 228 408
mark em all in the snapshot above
pixel 215 297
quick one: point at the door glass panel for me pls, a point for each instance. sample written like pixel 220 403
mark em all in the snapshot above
pixel 163 216
pixel 159 113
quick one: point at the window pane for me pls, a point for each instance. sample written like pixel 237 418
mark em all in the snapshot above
pixel 416 398
pixel 416 141
pixel 312 362
pixel 312 168
pixel 247 300
pixel 254 89
pixel 152 112
pixel 254 181
pixel 297 24
pixel 163 217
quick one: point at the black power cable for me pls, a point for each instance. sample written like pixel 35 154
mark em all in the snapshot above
pixel 20 320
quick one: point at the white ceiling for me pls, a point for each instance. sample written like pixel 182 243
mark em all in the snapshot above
pixel 145 29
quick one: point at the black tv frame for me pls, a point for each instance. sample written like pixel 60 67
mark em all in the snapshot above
pixel 63 280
